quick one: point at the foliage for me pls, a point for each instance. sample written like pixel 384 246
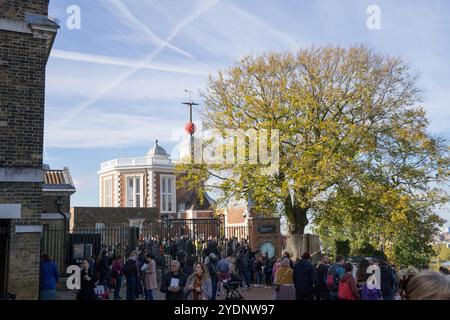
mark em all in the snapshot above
pixel 355 155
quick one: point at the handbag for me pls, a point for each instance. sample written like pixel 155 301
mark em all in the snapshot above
pixel 278 286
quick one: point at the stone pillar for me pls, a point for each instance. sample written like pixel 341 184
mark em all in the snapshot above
pixel 265 230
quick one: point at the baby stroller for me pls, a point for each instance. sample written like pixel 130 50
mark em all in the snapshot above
pixel 232 287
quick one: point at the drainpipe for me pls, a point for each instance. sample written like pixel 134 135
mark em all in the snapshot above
pixel 59 203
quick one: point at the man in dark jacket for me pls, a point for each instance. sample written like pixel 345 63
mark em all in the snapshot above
pixel 173 283
pixel 131 273
pixel 103 269
pixel 321 279
pixel 387 281
pixel 304 278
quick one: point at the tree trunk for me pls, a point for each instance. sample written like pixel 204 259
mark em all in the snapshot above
pixel 297 217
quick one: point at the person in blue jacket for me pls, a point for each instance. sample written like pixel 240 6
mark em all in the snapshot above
pixel 48 278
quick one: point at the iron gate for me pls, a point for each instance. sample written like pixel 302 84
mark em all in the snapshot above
pixel 70 247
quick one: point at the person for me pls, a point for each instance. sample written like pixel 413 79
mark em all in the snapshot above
pixel 427 285
pixel 304 278
pixel 267 270
pixel 387 281
pixel 88 279
pixel 361 273
pixel 150 277
pixel 347 285
pixel 335 273
pixel 284 281
pixel 117 275
pixel 198 285
pixel 174 282
pixel 223 272
pixel 189 267
pixel 131 273
pixel 49 277
pixel 276 266
pixel 103 270
pixel 321 278
pixel 258 270
pixel 242 262
pixel 212 270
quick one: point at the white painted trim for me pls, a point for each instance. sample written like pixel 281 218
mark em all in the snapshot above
pixel 21 175
pixel 54 216
pixel 10 211
pixel 29 229
pixel 59 190
pixel 14 26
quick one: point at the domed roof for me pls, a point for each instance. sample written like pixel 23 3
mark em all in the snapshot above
pixel 156 150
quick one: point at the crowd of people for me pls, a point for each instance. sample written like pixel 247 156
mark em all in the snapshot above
pixel 200 270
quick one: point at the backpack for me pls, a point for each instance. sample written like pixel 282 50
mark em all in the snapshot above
pixel 333 279
pixel 345 293
pixel 369 294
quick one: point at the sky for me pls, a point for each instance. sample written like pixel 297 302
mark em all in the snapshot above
pixel 116 80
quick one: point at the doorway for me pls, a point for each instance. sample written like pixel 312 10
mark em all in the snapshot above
pixel 4 257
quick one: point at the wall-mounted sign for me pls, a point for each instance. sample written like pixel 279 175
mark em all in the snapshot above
pixel 267 250
pixel 267 228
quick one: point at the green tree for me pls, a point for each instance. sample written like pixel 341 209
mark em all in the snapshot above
pixel 347 118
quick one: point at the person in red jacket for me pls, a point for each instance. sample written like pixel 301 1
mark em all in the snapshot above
pixel 347 285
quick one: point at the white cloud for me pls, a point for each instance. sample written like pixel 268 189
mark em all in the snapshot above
pixel 124 62
pixel 100 130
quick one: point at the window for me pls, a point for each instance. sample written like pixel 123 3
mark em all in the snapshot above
pixel 108 192
pixel 134 192
pixel 99 227
pixel 182 207
pixel 168 194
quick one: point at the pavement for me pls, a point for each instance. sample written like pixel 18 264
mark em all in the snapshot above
pixel 254 293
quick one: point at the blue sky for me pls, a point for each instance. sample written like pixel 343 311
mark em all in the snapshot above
pixel 115 85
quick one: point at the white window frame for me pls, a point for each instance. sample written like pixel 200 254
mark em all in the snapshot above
pixel 182 207
pixel 105 192
pixel 173 194
pixel 141 188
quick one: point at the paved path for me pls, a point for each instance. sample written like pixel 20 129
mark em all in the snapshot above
pixel 253 293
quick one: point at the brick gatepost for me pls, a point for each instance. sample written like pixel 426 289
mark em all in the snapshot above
pixel 26 38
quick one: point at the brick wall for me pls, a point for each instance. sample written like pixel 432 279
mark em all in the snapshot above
pixel 49 201
pixel 23 58
pixel 15 9
pixel 24 250
pixel 257 238
pixel 87 217
pixel 22 85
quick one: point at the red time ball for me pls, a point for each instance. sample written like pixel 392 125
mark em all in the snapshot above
pixel 190 128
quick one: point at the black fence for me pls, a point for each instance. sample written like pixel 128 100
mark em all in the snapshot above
pixel 70 247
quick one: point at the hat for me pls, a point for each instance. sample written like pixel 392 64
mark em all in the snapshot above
pixel 306 256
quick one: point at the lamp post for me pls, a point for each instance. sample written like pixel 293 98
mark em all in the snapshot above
pixel 190 126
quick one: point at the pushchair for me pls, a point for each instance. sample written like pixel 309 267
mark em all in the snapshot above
pixel 232 287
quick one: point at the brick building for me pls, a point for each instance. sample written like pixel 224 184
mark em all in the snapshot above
pixel 149 182
pixel 56 192
pixel 26 38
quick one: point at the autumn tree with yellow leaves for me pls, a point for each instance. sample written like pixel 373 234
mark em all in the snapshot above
pixel 355 153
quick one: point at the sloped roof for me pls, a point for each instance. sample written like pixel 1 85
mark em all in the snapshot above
pixel 58 180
